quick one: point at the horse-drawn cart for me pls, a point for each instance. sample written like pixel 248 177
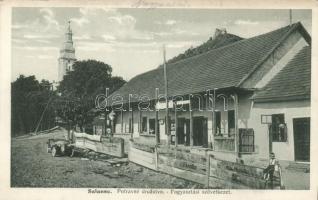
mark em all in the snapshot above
pixel 60 147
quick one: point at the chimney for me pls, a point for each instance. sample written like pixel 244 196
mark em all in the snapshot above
pixel 219 31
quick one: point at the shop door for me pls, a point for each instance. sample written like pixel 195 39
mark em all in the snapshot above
pixel 302 139
pixel 200 131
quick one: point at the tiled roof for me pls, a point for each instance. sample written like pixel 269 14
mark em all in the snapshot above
pixel 220 40
pixel 292 82
pixel 219 68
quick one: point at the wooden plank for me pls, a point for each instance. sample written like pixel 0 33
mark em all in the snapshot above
pixel 87 136
pixel 112 139
pixel 114 148
pixel 144 159
pixel 184 174
pixel 145 156
pixel 244 169
pixel 137 159
pixel 90 145
pixel 236 173
pixel 239 178
pixel 150 161
pixel 181 148
pixel 143 147
pixel 191 157
pixel 182 164
pixel 182 155
pixel 140 152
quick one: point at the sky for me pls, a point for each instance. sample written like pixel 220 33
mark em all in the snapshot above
pixel 131 39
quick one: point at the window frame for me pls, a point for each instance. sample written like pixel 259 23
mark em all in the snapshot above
pixel 150 124
pixel 218 122
pixel 279 130
pixel 130 125
pixel 266 119
pixel 232 120
pixel 144 124
pixel 246 140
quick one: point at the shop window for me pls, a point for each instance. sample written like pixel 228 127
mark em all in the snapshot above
pixel 231 122
pixel 144 124
pixel 278 128
pixel 218 122
pixel 126 128
pixel 129 126
pixel 152 126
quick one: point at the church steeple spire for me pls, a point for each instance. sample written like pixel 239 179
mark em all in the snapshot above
pixel 69 26
pixel 68 33
pixel 67 53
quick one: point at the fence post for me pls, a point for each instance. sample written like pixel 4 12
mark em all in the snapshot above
pixel 156 158
pixel 207 170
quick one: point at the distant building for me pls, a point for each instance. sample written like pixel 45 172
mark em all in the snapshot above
pixel 99 125
pixel 67 54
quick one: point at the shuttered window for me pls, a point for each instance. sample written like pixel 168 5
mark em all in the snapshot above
pixel 246 140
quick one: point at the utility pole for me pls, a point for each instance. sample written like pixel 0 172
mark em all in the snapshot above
pixel 42 115
pixel 105 113
pixel 290 17
pixel 166 94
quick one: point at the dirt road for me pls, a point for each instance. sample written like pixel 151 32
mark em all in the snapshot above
pixel 32 166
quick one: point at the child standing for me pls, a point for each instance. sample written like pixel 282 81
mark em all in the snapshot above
pixel 270 169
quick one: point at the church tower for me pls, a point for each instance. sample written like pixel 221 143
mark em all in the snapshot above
pixel 67 54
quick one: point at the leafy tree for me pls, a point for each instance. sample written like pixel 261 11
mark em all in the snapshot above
pixel 29 97
pixel 80 87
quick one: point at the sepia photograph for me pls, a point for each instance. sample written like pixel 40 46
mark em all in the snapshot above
pixel 160 98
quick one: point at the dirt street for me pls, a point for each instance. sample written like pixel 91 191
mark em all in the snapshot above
pixel 32 166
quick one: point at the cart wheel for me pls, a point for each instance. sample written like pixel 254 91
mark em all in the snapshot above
pixel 53 151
